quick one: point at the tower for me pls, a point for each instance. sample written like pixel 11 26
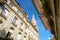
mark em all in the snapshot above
pixel 34 21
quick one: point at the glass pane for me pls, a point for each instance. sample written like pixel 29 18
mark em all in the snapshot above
pixel 5 12
pixel 14 20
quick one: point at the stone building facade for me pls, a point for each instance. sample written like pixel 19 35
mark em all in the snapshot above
pixel 14 24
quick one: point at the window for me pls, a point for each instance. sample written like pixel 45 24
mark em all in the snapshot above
pixel 18 37
pixel 19 32
pixel 8 1
pixel 25 33
pixel 5 12
pixel 1 22
pixel 24 36
pixel 15 8
pixel 11 28
pixel 8 34
pixel 22 26
pixel 20 29
pixel 14 21
pixel 17 12
pixel 11 4
pixel 0 10
pixel 25 27
pixel 21 23
pixel 27 23
pixel 21 15
pixel 24 19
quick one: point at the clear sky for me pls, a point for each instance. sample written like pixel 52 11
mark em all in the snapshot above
pixel 29 8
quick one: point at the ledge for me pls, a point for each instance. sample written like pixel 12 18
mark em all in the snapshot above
pixel 3 16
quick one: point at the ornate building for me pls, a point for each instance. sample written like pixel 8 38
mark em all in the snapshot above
pixel 14 23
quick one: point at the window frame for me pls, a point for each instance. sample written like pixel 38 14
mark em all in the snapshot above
pixel 14 21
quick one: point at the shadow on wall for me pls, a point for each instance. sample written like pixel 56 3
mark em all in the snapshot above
pixel 4 35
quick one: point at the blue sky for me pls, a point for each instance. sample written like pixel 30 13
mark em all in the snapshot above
pixel 29 8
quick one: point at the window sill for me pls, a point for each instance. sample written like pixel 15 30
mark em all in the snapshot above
pixel 14 24
pixel 3 16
